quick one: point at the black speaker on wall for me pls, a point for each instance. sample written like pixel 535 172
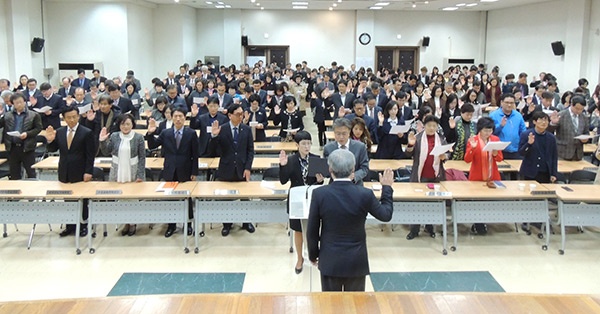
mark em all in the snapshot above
pixel 244 41
pixel 425 41
pixel 37 44
pixel 558 48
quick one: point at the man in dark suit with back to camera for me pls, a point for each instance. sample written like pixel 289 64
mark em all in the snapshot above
pixel 341 130
pixel 336 238
pixel 233 142
pixel 180 150
pixel 77 148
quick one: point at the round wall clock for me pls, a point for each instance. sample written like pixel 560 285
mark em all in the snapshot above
pixel 364 38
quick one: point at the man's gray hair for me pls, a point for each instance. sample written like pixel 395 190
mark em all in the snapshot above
pixel 342 122
pixel 341 163
pixel 6 93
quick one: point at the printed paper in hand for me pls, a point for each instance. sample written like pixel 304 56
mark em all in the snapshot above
pixel 43 109
pixel 135 101
pixel 399 129
pixel 14 133
pixel 253 123
pixel 197 100
pixel 441 149
pixel 585 137
pixel 521 105
pixel 85 109
pixel 495 146
pixel 292 130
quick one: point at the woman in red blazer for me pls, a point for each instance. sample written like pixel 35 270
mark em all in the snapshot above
pixel 483 164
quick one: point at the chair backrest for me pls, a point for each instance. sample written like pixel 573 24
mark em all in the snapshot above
pixel 455 175
pixel 271 174
pixel 582 177
pixel 98 174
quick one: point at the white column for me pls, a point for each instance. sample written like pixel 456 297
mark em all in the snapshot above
pixel 365 54
pixel 232 38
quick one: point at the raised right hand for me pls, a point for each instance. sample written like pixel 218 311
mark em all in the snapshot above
pixel 50 134
pixel 473 141
pixel 195 110
pixel 215 128
pixel 380 117
pixel 412 139
pixel 103 135
pixel 151 125
pixel 387 178
pixel 283 158
pixel 341 112
pixel 531 138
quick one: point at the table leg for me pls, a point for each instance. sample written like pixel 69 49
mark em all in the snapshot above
pixel 91 226
pixel 455 226
pixel 185 225
pixel 444 229
pixel 561 213
pixel 196 226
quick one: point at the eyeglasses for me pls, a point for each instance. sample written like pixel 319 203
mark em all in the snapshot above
pixel 239 114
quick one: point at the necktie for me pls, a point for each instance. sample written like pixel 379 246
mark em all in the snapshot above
pixel 81 83
pixel 70 138
pixel 235 135
pixel 253 128
pixel 576 123
pixel 178 138
pixel 343 147
pixel 304 167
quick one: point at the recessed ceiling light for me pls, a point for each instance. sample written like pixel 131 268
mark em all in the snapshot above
pixel 299 7
pixel 330 9
pixel 262 8
pixel 488 0
pixel 426 2
pixel 450 9
pixel 220 2
pixel 375 8
pixel 218 6
pixel 252 1
pixel 340 1
pixel 176 1
pixel 334 5
pixel 228 6
pixel 471 4
pixel 299 3
pixel 258 4
pixel 461 4
pixel 414 5
pixel 381 4
pixel 209 2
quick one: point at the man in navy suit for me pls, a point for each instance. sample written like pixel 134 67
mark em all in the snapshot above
pixel 342 98
pixel 341 130
pixel 233 143
pixel 123 103
pixel 404 107
pixel 204 123
pixel 81 80
pixel 225 100
pixel 32 90
pixel 256 85
pixel 180 150
pixel 175 100
pixel 66 89
pixel 372 108
pixel 335 234
pixel 49 99
pixel 77 148
pixel 380 98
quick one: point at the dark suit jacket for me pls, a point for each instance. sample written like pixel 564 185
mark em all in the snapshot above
pixel 78 160
pixel 181 90
pixel 37 93
pixel 336 227
pixel 234 159
pixel 227 100
pixel 337 101
pixel 126 106
pixel 407 113
pixel 63 92
pixel 532 152
pixel 283 118
pixel 86 83
pixel 101 79
pixel 390 145
pixel 568 147
pixel 263 96
pixel 201 122
pixel 57 105
pixel 182 162
pixel 321 109
pixel 382 100
pixel 359 150
pixel 292 172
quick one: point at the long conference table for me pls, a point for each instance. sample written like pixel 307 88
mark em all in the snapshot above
pixel 35 202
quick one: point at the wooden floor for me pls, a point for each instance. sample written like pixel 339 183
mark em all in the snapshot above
pixel 318 303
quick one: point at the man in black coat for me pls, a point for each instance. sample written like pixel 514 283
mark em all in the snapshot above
pixel 56 105
pixel 77 148
pixel 233 143
pixel 336 237
pixel 180 150
pixel 204 123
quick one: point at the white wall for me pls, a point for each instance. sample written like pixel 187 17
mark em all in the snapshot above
pixel 452 35
pixel 141 43
pixel 518 40
pixel 87 32
pixel 4 71
pixel 593 65
pixel 210 33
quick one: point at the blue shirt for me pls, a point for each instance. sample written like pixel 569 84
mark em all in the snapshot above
pixel 511 131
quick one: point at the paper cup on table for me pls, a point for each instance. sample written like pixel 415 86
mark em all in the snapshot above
pixel 436 187
pixel 532 187
pixel 521 186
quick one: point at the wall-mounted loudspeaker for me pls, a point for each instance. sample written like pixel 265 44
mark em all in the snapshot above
pixel 425 41
pixel 558 48
pixel 244 41
pixel 37 44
